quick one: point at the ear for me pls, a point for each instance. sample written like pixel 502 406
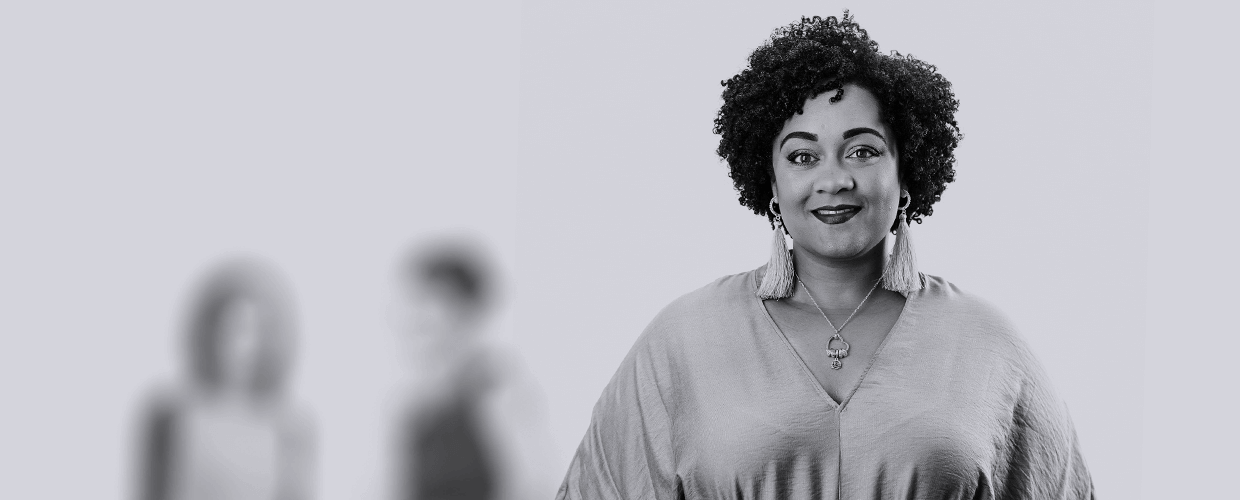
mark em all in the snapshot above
pixel 775 199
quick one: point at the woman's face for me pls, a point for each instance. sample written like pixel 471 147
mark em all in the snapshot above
pixel 836 178
pixel 240 336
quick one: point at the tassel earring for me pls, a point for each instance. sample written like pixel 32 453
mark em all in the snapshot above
pixel 901 274
pixel 780 275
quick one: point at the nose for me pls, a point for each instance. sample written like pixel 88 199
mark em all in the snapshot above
pixel 833 178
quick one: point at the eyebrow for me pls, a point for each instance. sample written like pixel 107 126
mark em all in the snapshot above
pixel 852 132
pixel 862 130
pixel 801 135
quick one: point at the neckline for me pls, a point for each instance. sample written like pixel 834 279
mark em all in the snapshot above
pixel 909 300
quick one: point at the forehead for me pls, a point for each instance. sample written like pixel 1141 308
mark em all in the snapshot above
pixel 857 108
pixel 238 308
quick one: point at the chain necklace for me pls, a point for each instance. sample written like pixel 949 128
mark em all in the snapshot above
pixel 837 354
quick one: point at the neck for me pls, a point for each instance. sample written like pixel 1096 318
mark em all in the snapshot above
pixel 838 283
pixel 234 397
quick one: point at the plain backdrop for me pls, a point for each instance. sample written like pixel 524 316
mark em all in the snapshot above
pixel 141 142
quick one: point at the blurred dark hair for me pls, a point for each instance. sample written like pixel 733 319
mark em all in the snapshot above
pixel 242 281
pixel 457 266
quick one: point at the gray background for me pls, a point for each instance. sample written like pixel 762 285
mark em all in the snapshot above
pixel 140 142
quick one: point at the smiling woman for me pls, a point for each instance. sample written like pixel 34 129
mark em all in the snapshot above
pixel 836 370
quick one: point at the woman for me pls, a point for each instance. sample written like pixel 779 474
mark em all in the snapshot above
pixel 834 371
pixel 230 433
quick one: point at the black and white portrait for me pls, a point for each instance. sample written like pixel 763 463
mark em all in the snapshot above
pixel 680 249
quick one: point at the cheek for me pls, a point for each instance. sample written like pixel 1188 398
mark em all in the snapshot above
pixel 882 183
pixel 241 347
pixel 432 316
pixel 885 203
pixel 792 188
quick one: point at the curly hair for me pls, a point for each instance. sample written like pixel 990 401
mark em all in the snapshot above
pixel 816 55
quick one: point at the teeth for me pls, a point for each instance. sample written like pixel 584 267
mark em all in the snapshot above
pixel 832 212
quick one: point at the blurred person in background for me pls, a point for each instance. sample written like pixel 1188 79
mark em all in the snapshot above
pixel 469 424
pixel 229 431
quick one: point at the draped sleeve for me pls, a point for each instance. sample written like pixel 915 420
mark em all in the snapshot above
pixel 627 450
pixel 1041 458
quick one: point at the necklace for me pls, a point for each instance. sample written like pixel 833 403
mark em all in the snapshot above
pixel 837 354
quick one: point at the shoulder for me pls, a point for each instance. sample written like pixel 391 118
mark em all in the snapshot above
pixel 297 415
pixel 987 339
pixel 722 296
pixel 296 423
pixel 943 305
pixel 696 320
pixel 162 405
pixel 950 301
pixel 718 304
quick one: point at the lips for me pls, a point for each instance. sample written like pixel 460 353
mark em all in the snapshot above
pixel 836 214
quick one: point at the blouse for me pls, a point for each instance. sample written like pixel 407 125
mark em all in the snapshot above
pixel 713 402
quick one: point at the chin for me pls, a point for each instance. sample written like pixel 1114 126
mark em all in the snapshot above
pixel 837 252
pixel 840 246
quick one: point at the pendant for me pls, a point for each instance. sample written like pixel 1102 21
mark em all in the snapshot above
pixel 836 353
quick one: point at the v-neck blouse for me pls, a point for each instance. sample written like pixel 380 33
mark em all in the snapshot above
pixel 713 402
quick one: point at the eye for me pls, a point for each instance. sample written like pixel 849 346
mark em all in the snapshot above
pixel 801 158
pixel 865 153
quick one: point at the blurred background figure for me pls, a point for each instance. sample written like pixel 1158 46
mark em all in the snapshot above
pixel 471 425
pixel 228 431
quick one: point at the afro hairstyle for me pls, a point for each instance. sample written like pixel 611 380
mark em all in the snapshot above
pixel 816 55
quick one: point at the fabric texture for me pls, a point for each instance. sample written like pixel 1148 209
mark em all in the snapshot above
pixel 713 402
pixel 452 454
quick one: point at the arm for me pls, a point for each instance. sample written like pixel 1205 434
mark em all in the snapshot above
pixel 512 418
pixel 627 452
pixel 296 480
pixel 404 475
pixel 1041 456
pixel 156 451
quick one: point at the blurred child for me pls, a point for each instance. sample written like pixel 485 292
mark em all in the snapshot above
pixel 470 427
pixel 228 432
